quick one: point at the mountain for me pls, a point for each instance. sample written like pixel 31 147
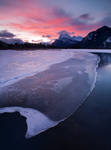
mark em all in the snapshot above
pixel 101 38
pixel 98 39
pixel 66 41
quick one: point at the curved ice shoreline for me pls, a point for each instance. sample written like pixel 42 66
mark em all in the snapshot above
pixel 38 121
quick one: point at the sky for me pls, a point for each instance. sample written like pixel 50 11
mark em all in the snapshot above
pixel 43 20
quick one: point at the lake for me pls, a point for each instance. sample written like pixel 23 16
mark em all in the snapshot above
pixel 88 123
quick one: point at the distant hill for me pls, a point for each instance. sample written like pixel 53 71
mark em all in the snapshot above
pixel 3 45
pixel 24 46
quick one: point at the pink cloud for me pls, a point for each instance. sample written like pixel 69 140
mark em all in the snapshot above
pixel 35 18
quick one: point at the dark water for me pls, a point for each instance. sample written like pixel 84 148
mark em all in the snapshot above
pixel 87 129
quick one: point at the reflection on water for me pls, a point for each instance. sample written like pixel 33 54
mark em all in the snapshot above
pixel 94 117
pixel 105 59
pixel 108 67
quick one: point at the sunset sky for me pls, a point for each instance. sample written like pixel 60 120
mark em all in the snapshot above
pixel 42 20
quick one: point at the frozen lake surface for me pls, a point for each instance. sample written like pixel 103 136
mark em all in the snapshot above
pixel 46 86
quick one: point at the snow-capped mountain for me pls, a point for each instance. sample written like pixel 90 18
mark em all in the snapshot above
pixel 101 38
pixel 66 41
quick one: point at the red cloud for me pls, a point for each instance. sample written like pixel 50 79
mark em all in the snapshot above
pixel 35 18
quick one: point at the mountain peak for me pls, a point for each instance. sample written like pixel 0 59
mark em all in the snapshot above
pixel 96 39
pixel 103 28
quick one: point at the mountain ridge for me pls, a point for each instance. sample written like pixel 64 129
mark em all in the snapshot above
pixel 98 39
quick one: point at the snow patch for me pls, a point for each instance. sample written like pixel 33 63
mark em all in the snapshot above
pixel 108 40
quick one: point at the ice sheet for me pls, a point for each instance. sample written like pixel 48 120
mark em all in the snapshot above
pixel 16 65
pixel 53 85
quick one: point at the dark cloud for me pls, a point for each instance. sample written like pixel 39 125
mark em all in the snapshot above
pixel 86 17
pixel 71 20
pixel 59 12
pixel 94 25
pixel 11 40
pixel 106 21
pixel 77 22
pixel 82 20
pixel 6 34
pixel 9 37
pixel 46 36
